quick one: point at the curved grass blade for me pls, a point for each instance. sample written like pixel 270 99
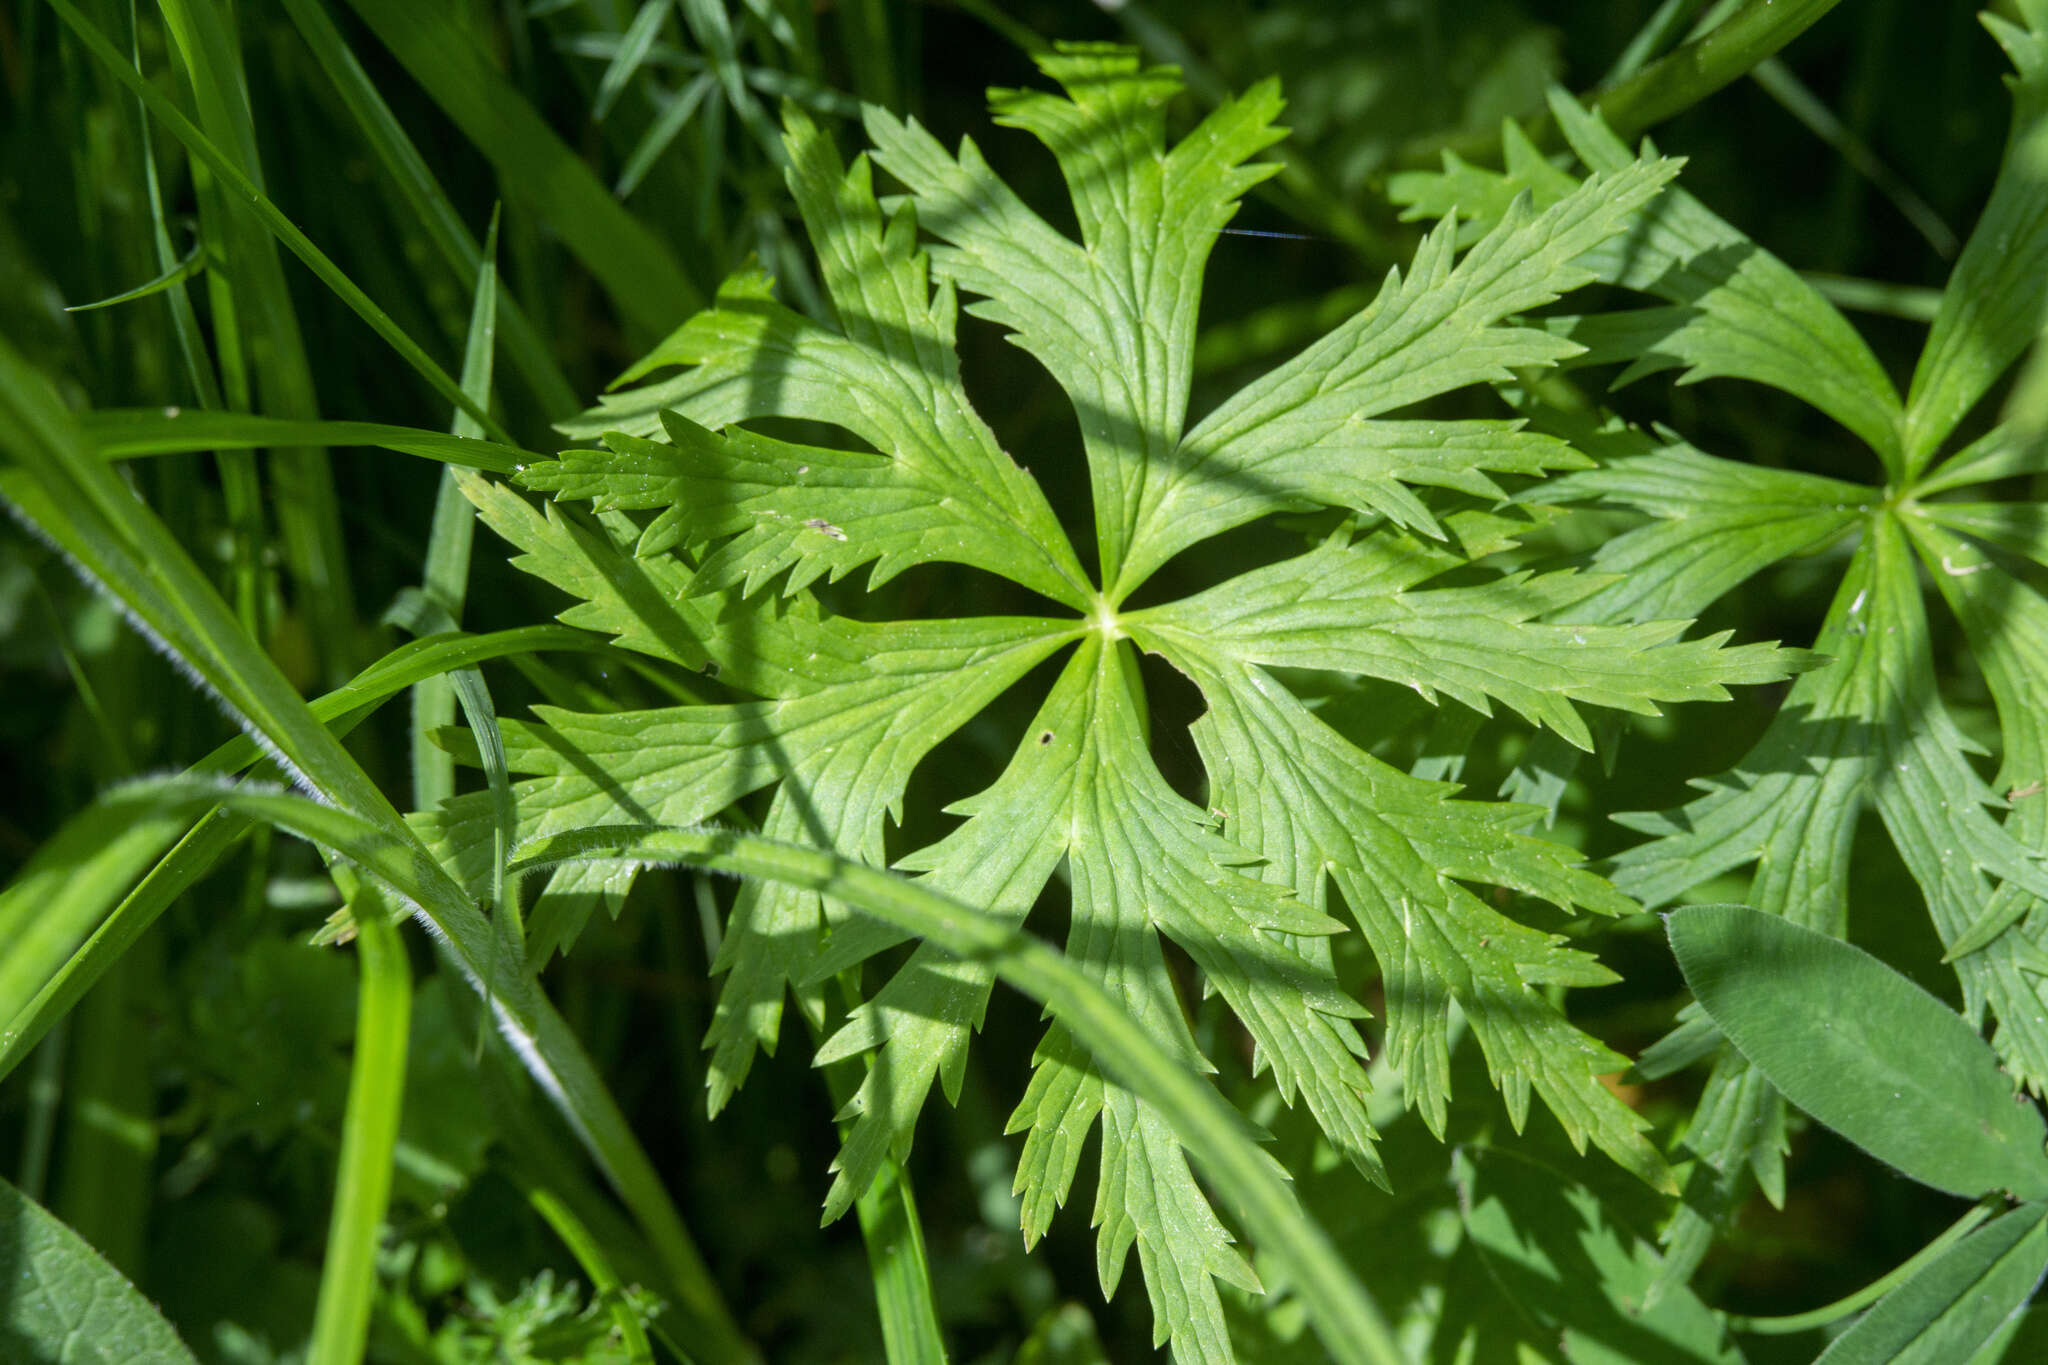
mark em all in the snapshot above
pixel 538 171
pixel 438 606
pixel 899 1267
pixel 1782 84
pixel 272 217
pixel 124 433
pixel 192 264
pixel 630 56
pixel 394 861
pixel 257 335
pixel 184 321
pixel 667 126
pixel 121 546
pixel 1957 1305
pixel 428 207
pixel 1348 1322
pixel 1666 87
pixel 94 910
pixel 55 904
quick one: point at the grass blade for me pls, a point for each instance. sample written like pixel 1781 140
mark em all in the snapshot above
pixel 369 1135
pixel 407 174
pixel 193 262
pixel 630 56
pixel 903 1283
pixel 445 580
pixel 1346 1319
pixel 666 127
pixel 273 218
pixel 118 542
pixel 262 332
pixel 120 433
pixel 541 174
pixel 107 926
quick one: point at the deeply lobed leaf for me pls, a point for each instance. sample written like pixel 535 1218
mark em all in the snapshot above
pixel 692 514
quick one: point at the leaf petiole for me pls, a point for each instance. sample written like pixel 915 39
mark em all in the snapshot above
pixel 1876 1289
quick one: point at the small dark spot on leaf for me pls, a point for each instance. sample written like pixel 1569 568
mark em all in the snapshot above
pixel 1045 738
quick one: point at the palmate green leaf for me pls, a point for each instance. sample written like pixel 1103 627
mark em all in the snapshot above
pixel 644 602
pixel 842 750
pixel 1350 608
pixel 1996 301
pixel 1083 785
pixel 999 858
pixel 1716 524
pixel 1869 724
pixel 1112 317
pixel 1933 803
pixel 2006 624
pixel 2007 449
pixel 2021 527
pixel 1306 432
pixel 1140 861
pixel 640 602
pixel 1351 1328
pixel 889 376
pixel 691 514
pixel 1320 810
pixel 1868 728
pixel 1790 807
pixel 1868 731
pixel 778 507
pixel 1739 311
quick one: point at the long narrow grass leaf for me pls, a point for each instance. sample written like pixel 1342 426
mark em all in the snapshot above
pixel 369 1134
pixel 1346 1319
pixel 123 433
pixel 537 170
pixel 81 505
pixel 194 261
pixel 407 173
pixel 113 920
pixel 272 217
pixel 631 54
